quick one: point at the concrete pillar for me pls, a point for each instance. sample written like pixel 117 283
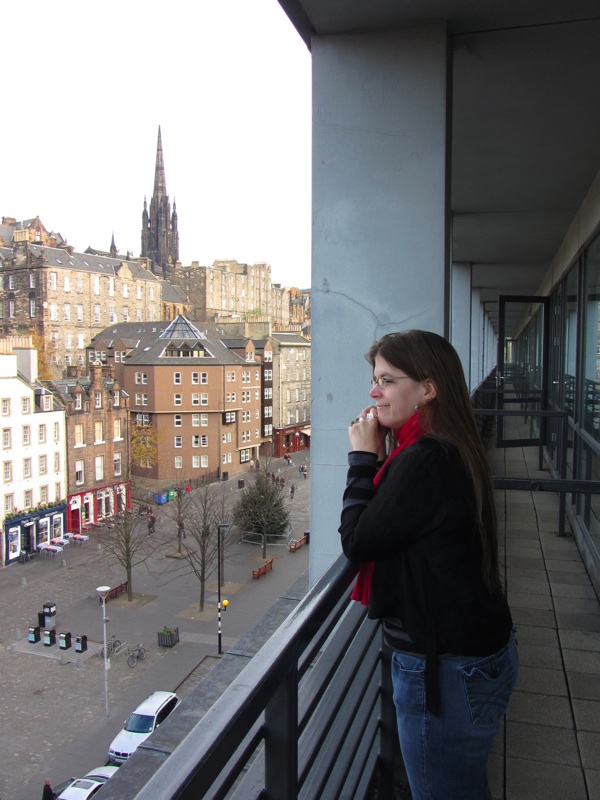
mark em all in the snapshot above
pixel 476 338
pixel 460 304
pixel 380 230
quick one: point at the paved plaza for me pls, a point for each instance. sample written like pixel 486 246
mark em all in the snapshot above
pixel 52 719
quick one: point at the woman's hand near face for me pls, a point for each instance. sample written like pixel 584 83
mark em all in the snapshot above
pixel 366 434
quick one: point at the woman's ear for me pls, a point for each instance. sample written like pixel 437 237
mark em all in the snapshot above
pixel 430 390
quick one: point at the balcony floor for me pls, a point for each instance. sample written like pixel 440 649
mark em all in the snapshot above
pixel 549 746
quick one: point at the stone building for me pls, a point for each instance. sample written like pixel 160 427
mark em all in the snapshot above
pixel 231 288
pixel 65 297
pixel 97 442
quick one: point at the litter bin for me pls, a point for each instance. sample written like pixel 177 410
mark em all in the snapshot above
pixel 307 534
pixel 240 483
pixel 34 634
pixel 171 495
pixel 49 637
pixel 80 643
pixel 64 640
pixel 50 615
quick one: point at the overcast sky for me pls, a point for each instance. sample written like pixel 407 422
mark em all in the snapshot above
pixel 86 87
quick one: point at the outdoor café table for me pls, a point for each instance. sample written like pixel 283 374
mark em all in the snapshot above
pixel 68 535
pixel 42 547
pixel 60 542
pixel 80 537
pixel 53 549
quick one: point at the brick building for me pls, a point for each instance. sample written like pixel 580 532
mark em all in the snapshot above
pixel 97 442
pixel 200 399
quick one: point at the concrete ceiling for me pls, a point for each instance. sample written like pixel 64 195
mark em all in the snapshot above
pixel 525 120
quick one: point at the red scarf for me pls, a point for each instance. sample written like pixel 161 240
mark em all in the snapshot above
pixel 406 435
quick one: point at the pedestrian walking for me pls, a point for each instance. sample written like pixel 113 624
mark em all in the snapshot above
pixel 300 470
pixel 151 524
pixel 48 793
pixel 251 463
pixel 305 471
pixel 292 491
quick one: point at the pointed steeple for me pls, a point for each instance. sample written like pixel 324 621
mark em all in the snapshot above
pixel 160 185
pixel 113 247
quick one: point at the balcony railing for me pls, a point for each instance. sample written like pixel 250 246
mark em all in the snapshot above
pixel 310 715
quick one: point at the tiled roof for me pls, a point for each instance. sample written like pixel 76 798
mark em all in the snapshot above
pixel 84 262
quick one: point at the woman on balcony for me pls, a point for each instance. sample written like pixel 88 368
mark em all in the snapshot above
pixel 419 516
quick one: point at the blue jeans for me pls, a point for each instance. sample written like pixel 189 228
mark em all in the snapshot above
pixel 446 756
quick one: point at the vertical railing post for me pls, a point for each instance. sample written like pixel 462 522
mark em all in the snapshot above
pixel 387 731
pixel 281 740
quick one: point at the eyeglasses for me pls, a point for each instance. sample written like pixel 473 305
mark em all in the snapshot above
pixel 383 382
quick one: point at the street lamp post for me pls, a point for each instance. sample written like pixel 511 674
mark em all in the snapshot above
pixel 221 526
pixel 103 591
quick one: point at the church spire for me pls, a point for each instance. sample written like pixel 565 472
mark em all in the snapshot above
pixel 160 185
pixel 160 237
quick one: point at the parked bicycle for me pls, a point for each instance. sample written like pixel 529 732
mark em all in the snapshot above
pixel 111 645
pixel 139 651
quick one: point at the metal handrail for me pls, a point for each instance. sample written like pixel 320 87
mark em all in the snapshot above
pixel 310 715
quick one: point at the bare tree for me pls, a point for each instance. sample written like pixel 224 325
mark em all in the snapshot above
pixel 129 541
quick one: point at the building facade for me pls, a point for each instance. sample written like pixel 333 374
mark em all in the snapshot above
pixel 200 400
pixel 34 464
pixel 64 298
pixel 97 441
pixel 231 288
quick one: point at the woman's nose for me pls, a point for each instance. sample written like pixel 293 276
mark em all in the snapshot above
pixel 375 391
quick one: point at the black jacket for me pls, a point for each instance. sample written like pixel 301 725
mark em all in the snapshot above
pixel 421 530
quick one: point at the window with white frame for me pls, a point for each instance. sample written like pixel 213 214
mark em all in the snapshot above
pixel 67 312
pixel 7 471
pixel 195 462
pixel 204 377
pixel 99 468
pixel 78 401
pixel 177 377
pixel 204 399
pixel 118 463
pixel 177 420
pixel 116 429
pixel 204 461
pixel 42 434
pixel 98 399
pixel 195 399
pixel 195 377
pixel 79 285
pixel 28 498
pixel 43 464
pixel 9 503
pixel 97 314
pixel 6 438
pixel 125 290
pixel 5 407
pixel 57 495
pixel 178 441
pixel 79 471
pixel 56 462
pixel 53 281
pixel 47 402
pixel 43 494
pixel 178 462
pixel 67 283
pixel 56 432
pixel 96 284
pixel 25 405
pixel 204 440
pixel 268 374
pixel 53 312
pixel 27 468
pixel 176 399
pixel 98 432
pixel 79 435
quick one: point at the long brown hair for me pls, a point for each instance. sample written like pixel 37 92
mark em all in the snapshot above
pixel 449 417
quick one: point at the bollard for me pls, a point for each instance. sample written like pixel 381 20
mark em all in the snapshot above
pixel 23 581
pixel 99 547
pixel 18 635
pixel 79 663
pixel 12 649
pixel 63 563
pixel 64 659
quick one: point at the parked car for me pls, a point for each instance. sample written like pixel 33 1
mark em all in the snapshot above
pixel 82 788
pixel 146 718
